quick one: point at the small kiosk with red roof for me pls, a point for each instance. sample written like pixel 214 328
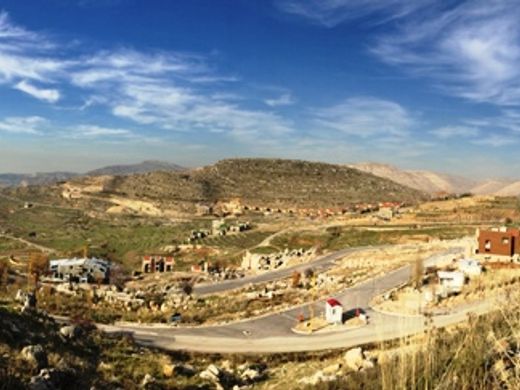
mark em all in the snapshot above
pixel 333 311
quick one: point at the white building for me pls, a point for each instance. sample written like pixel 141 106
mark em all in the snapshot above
pixel 451 281
pixel 333 311
pixel 80 269
pixel 470 267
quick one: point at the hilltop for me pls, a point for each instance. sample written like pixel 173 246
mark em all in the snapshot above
pixel 264 182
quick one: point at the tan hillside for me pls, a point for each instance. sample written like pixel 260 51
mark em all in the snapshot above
pixel 513 189
pixel 425 181
pixel 490 187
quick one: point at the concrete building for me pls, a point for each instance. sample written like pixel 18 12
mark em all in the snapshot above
pixel 470 267
pixel 80 269
pixel 501 241
pixel 451 281
pixel 158 263
pixel 333 311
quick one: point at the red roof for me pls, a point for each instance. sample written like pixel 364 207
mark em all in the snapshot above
pixel 333 302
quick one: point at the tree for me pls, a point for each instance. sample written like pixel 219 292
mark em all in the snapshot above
pixel 296 276
pixel 418 273
pixel 309 273
pixel 4 268
pixel 187 288
pixel 38 265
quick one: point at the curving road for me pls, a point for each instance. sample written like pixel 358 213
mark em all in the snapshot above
pixel 321 264
pixel 272 332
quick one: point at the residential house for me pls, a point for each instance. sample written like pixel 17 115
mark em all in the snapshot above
pixel 501 241
pixel 333 311
pixel 158 263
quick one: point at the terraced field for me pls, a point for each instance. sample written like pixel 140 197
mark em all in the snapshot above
pixel 238 241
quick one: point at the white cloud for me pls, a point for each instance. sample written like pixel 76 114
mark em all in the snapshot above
pixel 332 12
pixel 471 50
pixel 496 140
pixel 455 131
pixel 48 95
pixel 25 54
pixel 366 117
pixel 284 99
pixel 22 125
pixel 93 131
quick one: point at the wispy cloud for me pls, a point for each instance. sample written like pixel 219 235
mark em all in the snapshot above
pixel 166 90
pixel 284 99
pixel 22 125
pixel 470 50
pixel 24 55
pixel 48 95
pixel 332 12
pixel 455 132
pixel 365 117
pixel 496 140
pixel 94 131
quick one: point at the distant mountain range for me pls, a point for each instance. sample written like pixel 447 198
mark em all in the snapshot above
pixel 433 182
pixel 42 178
pixel 130 169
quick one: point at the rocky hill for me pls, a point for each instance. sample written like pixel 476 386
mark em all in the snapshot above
pixel 427 181
pixel 264 182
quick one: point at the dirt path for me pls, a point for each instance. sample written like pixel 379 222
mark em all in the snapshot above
pixel 29 243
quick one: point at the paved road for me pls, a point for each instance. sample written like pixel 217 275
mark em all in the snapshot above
pixel 319 265
pixel 272 333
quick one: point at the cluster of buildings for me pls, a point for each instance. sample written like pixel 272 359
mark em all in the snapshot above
pixel 219 227
pixel 83 270
pixel 266 262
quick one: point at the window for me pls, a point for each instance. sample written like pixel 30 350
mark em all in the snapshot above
pixel 487 245
pixel 505 240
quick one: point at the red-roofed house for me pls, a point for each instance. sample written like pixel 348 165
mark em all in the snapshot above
pixel 333 311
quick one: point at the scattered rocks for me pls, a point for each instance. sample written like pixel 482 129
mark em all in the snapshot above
pixel 318 377
pixel 354 358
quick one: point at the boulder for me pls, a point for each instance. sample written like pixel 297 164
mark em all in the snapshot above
pixel 367 365
pixel 354 358
pixel 184 369
pixel 39 383
pixel 35 355
pixel 168 370
pixel 148 380
pixel 70 332
pixel 251 375
pixel 211 373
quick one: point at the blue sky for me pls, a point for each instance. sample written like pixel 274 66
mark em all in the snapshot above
pixel 422 84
